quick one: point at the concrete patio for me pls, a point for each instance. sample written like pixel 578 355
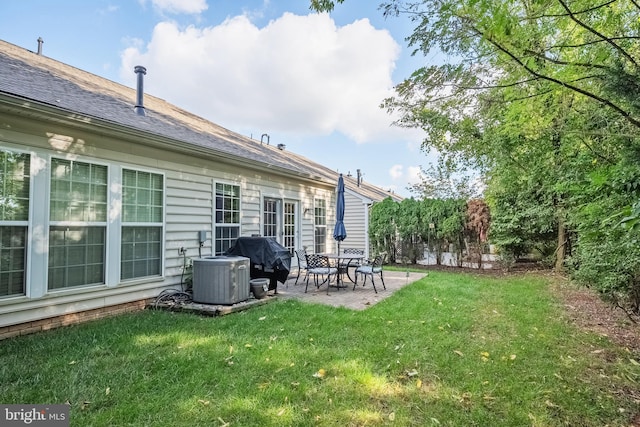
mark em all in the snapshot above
pixel 359 299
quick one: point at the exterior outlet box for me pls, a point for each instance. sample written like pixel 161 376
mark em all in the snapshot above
pixel 202 236
pixel 221 279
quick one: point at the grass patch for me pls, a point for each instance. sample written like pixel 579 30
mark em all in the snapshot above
pixel 450 349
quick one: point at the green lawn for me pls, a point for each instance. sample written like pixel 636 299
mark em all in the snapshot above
pixel 449 350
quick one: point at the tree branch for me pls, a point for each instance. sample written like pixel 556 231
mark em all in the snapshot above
pixel 596 32
pixel 577 89
pixel 558 62
pixel 564 15
pixel 569 46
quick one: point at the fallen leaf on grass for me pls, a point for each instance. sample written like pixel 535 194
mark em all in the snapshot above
pixel 419 384
pixel 392 416
pixel 320 374
pixel 412 373
pixel 459 353
pixel 73 362
pixel 262 318
pixel 204 402
pixel 108 390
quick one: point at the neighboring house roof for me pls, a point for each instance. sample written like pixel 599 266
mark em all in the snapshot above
pixel 367 192
pixel 25 75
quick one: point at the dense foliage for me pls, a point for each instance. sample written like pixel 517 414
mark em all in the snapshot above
pixel 405 229
pixel 542 99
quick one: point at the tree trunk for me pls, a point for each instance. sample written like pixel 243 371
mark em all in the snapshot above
pixel 562 245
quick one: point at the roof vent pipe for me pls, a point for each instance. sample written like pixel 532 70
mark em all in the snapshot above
pixel 359 179
pixel 262 137
pixel 139 108
pixel 40 41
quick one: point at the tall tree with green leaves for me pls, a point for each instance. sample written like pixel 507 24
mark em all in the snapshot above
pixel 543 97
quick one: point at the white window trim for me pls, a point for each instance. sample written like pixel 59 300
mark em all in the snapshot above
pixel 118 202
pixel 214 224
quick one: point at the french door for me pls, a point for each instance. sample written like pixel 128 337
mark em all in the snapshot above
pixel 280 221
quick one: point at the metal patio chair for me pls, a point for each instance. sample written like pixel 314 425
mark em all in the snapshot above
pixel 301 254
pixel 370 269
pixel 319 265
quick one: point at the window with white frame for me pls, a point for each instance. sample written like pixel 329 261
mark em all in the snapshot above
pixel 227 217
pixel 320 221
pixel 270 218
pixel 14 216
pixel 142 224
pixel 78 221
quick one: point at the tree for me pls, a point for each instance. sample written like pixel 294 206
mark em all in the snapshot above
pixel 543 99
pixel 383 228
pixel 323 5
pixel 478 218
pixel 445 181
pixel 410 226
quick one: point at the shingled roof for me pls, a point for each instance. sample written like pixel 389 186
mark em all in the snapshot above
pixel 27 76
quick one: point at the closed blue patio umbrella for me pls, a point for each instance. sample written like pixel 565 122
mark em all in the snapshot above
pixel 339 231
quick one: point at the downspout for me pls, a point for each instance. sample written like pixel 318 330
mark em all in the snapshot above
pixel 367 242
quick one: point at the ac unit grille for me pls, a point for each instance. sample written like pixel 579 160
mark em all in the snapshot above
pixel 221 279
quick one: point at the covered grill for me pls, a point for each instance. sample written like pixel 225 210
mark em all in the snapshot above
pixel 268 258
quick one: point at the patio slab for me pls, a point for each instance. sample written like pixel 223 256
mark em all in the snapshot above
pixel 359 299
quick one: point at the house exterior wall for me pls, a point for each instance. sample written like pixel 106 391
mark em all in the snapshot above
pixel 189 183
pixel 354 222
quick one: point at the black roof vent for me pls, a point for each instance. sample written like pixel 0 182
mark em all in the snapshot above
pixel 139 108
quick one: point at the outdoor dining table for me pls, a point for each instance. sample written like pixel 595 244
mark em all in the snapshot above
pixel 351 261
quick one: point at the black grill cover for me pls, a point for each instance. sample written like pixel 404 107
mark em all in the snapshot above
pixel 264 252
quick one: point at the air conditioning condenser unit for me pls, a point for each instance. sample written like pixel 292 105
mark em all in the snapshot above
pixel 221 279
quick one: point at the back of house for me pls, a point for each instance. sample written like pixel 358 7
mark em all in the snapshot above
pixel 106 192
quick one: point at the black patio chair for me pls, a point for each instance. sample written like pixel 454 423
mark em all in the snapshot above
pixel 345 265
pixel 369 269
pixel 318 265
pixel 301 254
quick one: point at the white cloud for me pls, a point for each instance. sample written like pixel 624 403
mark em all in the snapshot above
pixel 414 174
pixel 190 7
pixel 298 75
pixel 405 176
pixel 396 172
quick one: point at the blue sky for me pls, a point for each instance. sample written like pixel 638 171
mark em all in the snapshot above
pixel 312 82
